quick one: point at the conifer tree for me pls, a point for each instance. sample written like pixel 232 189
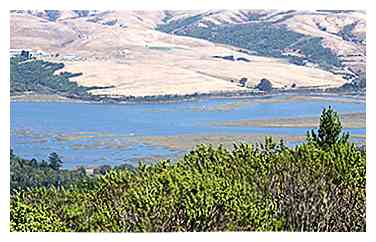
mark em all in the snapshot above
pixel 54 161
pixel 329 131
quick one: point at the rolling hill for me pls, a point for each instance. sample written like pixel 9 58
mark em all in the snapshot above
pixel 143 53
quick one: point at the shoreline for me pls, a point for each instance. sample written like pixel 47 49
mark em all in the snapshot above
pixel 183 143
pixel 160 99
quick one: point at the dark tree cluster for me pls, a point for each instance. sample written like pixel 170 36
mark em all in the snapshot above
pixel 39 76
pixel 264 38
pixel 27 174
pixel 264 85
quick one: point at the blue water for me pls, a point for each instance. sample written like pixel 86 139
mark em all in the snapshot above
pixel 46 121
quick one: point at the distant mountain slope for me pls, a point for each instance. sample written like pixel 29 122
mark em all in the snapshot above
pixel 330 39
pixel 128 50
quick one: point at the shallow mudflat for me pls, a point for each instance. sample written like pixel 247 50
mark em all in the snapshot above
pixel 349 120
pixel 40 98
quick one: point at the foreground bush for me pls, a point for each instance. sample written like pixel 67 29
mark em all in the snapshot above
pixel 315 186
pixel 264 188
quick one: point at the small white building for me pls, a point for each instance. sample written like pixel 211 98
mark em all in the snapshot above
pixel 14 52
pixel 32 53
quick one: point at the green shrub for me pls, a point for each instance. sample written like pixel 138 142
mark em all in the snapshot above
pixel 329 132
pixel 29 218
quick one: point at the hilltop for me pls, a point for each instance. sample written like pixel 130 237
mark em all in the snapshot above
pixel 142 53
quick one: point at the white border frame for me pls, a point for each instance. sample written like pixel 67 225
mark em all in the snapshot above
pixel 182 5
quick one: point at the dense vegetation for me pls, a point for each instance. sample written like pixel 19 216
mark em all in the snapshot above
pixel 27 174
pixel 314 51
pixel 347 34
pixel 264 38
pixel 316 186
pixel 359 83
pixel 40 77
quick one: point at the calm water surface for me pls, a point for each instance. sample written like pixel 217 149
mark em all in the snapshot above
pixel 38 129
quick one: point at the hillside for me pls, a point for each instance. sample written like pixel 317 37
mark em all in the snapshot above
pixel 327 38
pixel 145 53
